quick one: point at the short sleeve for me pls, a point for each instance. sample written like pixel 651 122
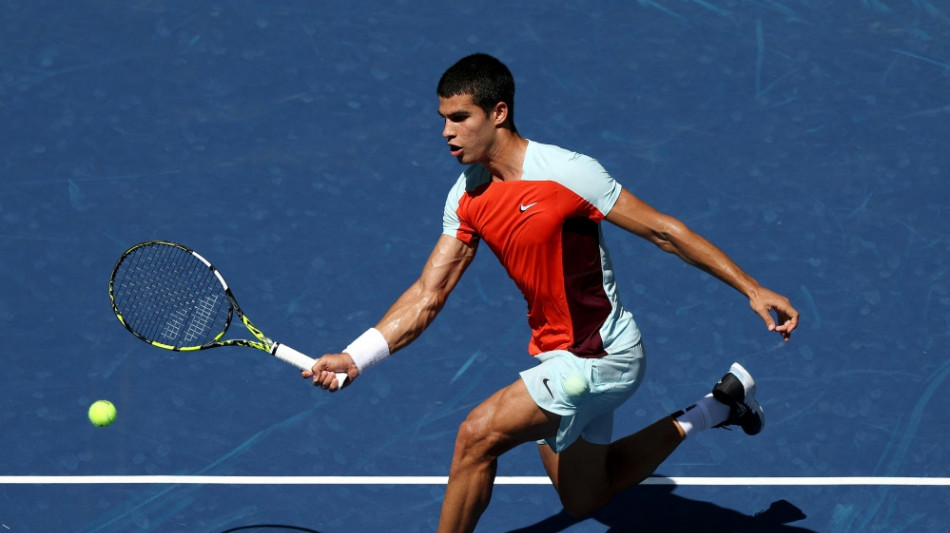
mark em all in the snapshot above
pixel 580 173
pixel 452 223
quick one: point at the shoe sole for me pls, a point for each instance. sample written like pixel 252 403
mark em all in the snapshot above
pixel 738 388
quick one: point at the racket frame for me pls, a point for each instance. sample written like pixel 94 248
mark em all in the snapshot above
pixel 263 342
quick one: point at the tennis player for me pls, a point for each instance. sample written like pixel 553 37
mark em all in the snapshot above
pixel 539 207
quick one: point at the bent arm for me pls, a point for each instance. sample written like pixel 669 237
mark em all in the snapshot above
pixel 418 306
pixel 673 236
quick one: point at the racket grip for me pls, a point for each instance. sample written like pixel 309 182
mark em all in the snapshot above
pixel 300 360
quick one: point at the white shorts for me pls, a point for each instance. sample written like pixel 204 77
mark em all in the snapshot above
pixel 612 379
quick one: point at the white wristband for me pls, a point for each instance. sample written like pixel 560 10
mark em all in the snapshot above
pixel 368 350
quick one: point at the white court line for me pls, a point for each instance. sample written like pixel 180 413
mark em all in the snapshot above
pixel 442 480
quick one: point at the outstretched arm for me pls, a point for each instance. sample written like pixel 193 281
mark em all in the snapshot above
pixel 673 236
pixel 412 312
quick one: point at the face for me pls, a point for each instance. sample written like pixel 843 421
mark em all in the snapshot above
pixel 470 133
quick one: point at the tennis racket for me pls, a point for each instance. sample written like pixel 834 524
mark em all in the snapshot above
pixel 170 297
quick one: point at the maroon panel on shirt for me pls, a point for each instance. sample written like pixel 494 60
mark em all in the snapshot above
pixel 584 285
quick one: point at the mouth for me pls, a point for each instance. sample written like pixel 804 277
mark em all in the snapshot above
pixel 455 150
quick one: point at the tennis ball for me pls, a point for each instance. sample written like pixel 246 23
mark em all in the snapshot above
pixel 102 413
pixel 574 386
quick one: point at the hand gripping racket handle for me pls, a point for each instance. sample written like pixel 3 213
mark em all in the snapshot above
pixel 302 361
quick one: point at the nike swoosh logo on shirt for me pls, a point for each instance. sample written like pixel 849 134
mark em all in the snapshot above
pixel 524 208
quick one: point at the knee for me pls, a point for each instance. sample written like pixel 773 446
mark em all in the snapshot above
pixel 473 438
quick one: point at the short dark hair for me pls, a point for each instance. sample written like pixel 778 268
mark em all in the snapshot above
pixel 483 77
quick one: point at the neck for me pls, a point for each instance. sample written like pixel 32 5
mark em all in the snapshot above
pixel 505 162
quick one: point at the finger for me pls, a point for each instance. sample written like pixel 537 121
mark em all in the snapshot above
pixel 766 316
pixel 317 376
pixel 785 333
pixel 332 384
pixel 315 371
pixel 787 326
pixel 787 316
pixel 324 379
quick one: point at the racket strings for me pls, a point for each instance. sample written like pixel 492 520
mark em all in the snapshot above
pixel 167 295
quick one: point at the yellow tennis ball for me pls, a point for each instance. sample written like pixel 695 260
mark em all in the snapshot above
pixel 102 413
pixel 574 386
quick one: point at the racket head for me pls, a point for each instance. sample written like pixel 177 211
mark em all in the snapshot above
pixel 170 296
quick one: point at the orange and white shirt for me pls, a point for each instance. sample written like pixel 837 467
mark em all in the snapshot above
pixel 545 230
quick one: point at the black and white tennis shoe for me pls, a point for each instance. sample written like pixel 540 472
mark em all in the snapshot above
pixel 737 390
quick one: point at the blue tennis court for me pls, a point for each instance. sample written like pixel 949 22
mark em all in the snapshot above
pixel 297 146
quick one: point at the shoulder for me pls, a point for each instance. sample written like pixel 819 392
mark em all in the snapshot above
pixel 580 173
pixel 555 159
pixel 471 179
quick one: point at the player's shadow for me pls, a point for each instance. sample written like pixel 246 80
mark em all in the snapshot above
pixel 656 509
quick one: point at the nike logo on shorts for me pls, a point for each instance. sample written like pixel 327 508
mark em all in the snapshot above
pixel 546 380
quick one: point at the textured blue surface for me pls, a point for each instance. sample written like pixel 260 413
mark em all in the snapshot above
pixel 296 145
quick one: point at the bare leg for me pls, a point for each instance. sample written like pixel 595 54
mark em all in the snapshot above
pixel 633 458
pixel 587 475
pixel 506 419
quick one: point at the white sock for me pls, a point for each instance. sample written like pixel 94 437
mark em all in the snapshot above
pixel 706 413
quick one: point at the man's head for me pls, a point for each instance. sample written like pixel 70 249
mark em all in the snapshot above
pixel 486 79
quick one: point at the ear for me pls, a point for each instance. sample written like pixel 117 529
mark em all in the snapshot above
pixel 499 114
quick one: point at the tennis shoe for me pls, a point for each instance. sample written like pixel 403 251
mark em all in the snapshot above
pixel 737 390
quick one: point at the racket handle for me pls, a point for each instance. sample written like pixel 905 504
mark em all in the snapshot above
pixel 300 360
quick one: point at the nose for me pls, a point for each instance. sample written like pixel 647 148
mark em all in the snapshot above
pixel 447 130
